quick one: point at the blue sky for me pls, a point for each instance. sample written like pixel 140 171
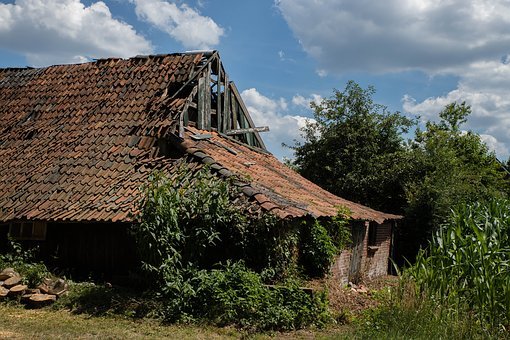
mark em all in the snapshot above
pixel 419 54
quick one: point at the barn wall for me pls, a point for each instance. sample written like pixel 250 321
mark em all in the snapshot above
pixel 374 257
pixel 376 263
pixel 83 249
pixel 104 248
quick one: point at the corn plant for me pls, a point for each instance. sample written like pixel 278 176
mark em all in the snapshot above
pixel 468 262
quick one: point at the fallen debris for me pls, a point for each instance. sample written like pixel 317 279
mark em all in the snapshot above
pixel 41 300
pixel 45 294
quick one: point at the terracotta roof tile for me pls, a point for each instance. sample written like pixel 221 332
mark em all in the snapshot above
pixel 274 186
pixel 71 134
pixel 78 141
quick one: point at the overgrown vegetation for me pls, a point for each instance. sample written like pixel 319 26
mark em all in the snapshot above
pixel 467 265
pixel 404 314
pixel 354 148
pixel 359 147
pixel 458 288
pixel 25 263
pixel 213 259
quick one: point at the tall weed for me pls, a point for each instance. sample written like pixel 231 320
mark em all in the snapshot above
pixel 468 262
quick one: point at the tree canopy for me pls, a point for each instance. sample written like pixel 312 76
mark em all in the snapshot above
pixel 355 148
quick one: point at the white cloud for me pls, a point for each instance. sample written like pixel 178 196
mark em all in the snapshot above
pixel 467 39
pixel 494 145
pixel 484 86
pixel 284 127
pixel 397 35
pixel 63 31
pixel 299 100
pixel 182 23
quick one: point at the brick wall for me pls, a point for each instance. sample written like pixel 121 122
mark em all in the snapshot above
pixel 374 261
pixel 378 253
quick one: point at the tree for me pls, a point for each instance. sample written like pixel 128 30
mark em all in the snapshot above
pixel 354 149
pixel 450 168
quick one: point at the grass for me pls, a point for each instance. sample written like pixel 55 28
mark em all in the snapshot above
pixel 401 314
pixel 19 323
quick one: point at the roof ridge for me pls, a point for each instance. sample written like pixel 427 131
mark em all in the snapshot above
pixel 109 59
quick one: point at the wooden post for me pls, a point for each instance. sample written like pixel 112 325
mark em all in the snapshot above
pixel 204 100
pixel 244 111
pixel 226 106
pixel 218 100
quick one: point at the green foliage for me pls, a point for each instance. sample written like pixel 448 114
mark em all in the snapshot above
pixel 235 295
pixel 357 146
pixel 450 167
pixel 24 262
pixel 181 219
pixel 321 241
pixel 468 262
pixel 453 166
pixel 317 250
pixel 188 225
pixel 405 315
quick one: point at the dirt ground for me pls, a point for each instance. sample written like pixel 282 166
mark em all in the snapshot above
pixel 356 298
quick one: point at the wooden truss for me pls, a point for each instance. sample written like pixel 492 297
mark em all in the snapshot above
pixel 214 104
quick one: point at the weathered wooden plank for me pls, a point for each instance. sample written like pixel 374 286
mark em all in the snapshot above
pixel 218 95
pixel 208 99
pixel 247 130
pixel 235 107
pixel 226 107
pixel 204 101
pixel 202 86
pixel 184 116
pixel 236 94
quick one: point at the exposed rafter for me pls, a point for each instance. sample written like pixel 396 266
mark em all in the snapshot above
pixel 215 104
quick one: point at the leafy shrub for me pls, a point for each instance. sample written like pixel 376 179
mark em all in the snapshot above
pixel 189 224
pixel 24 262
pixel 317 249
pixel 468 262
pixel 321 241
pixel 235 295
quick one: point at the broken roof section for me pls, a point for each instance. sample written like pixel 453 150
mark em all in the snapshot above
pixel 78 141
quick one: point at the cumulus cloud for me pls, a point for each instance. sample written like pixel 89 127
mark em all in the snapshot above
pixel 63 31
pixel 468 39
pixel 484 86
pixel 398 35
pixel 299 100
pixel 284 127
pixel 494 145
pixel 182 23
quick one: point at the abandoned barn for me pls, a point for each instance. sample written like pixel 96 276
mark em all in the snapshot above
pixel 77 143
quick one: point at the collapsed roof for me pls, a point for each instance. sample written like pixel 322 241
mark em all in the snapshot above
pixel 77 142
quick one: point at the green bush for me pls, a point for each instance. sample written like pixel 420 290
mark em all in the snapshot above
pixel 320 241
pixel 235 295
pixel 189 224
pixel 24 262
pixel 317 249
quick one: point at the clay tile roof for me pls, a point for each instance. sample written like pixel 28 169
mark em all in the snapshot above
pixel 77 142
pixel 74 137
pixel 274 186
